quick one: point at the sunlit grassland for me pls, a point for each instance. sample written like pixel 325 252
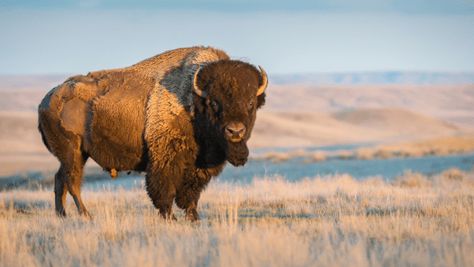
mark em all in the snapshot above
pixel 328 221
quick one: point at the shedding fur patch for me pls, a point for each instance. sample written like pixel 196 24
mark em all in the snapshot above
pixel 116 123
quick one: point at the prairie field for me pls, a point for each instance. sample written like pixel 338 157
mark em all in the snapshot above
pixel 413 220
pixel 356 208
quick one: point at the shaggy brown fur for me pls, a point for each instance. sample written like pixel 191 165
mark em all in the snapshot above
pixel 147 118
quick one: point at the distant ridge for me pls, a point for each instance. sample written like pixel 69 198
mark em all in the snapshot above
pixel 382 78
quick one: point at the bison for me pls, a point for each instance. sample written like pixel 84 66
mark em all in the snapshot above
pixel 178 116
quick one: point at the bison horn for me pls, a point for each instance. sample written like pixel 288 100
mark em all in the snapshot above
pixel 196 89
pixel 264 84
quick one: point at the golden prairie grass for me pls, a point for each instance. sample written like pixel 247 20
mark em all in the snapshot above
pixel 328 221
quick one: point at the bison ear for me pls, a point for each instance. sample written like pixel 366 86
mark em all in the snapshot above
pixel 260 100
pixel 264 79
pixel 196 88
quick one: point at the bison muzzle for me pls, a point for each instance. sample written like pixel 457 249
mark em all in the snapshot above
pixel 178 116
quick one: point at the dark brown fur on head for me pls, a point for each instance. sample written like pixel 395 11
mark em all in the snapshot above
pixel 230 88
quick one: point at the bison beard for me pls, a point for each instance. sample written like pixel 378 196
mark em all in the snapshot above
pixel 237 153
pixel 214 149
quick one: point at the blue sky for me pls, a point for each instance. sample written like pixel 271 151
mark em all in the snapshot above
pixel 283 36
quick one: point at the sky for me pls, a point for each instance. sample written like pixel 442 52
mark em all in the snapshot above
pixel 285 37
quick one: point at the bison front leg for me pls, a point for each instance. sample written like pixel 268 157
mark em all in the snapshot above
pixel 187 198
pixel 171 152
pixel 189 192
pixel 162 191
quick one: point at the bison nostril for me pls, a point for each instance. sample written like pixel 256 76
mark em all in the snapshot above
pixel 229 131
pixel 234 129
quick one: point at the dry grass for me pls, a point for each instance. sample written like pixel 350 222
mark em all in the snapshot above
pixel 330 221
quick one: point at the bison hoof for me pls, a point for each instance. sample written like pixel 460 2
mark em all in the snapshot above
pixel 168 216
pixel 192 215
pixel 61 213
pixel 86 215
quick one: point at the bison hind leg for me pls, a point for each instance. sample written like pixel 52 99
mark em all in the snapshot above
pixel 66 146
pixel 69 178
pixel 60 192
pixel 74 182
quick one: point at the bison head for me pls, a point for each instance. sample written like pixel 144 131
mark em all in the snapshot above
pixel 230 92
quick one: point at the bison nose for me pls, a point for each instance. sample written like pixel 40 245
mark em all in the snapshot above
pixel 235 131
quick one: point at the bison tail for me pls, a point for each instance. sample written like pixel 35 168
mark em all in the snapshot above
pixel 43 137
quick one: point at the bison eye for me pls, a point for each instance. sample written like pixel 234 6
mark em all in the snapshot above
pixel 250 105
pixel 214 106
